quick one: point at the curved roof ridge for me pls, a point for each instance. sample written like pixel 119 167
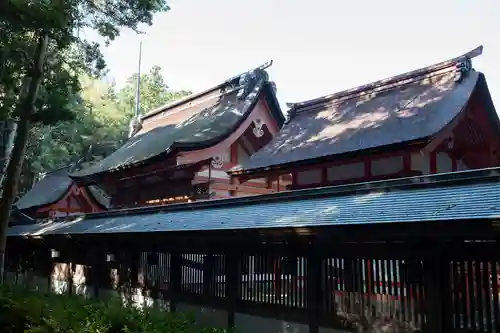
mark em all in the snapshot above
pixel 60 169
pixel 194 96
pixel 391 81
pixel 207 125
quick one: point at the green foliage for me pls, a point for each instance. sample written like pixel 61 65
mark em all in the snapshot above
pixel 43 53
pixel 23 311
pixel 101 121
pixel 154 91
pixel 69 53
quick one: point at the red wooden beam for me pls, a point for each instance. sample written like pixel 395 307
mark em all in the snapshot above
pixel 341 161
pixel 445 133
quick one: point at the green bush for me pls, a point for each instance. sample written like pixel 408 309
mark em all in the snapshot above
pixel 23 311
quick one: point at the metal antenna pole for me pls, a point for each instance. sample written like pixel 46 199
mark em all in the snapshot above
pixel 138 88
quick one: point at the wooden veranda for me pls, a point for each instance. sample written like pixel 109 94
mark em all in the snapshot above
pixel 367 257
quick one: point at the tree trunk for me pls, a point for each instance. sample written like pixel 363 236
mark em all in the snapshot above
pixel 7 133
pixel 11 179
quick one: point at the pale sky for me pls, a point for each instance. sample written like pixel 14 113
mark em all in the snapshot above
pixel 318 46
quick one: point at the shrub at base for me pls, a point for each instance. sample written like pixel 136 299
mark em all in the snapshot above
pixel 24 311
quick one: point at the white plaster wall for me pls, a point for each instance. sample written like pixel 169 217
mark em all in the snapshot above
pixel 386 166
pixel 247 144
pixel 222 193
pixel 214 173
pixel 242 155
pixel 309 177
pixel 345 171
pixel 59 214
pixel 443 163
pixel 251 324
pixel 420 163
pixel 461 166
pixel 226 155
pixel 73 202
pixel 260 180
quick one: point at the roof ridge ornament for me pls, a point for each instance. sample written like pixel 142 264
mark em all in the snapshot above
pixel 394 80
pixel 134 126
pixel 249 80
pixel 462 67
pixel 231 82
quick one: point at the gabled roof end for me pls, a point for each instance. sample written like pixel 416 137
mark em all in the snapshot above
pixel 395 80
pixel 194 96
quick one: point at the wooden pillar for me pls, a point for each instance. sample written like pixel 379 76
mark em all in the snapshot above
pixel 433 162
pixel 96 272
pixel 175 278
pixel 233 274
pixel 153 258
pixel 277 278
pixel 12 259
pixel 314 284
pixel 349 275
pixel 43 262
pixel 208 274
pixel 235 181
pixel 73 255
pixel 437 293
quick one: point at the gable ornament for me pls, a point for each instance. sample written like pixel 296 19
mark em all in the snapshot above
pixel 217 162
pixel 258 131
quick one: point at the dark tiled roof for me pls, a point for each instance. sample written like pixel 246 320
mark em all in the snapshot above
pixel 99 195
pixel 447 197
pixel 52 188
pixel 408 107
pixel 47 191
pixel 18 218
pixel 193 123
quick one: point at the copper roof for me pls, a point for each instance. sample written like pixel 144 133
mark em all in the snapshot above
pixel 460 196
pixel 196 122
pixel 400 109
pixel 52 187
pixel 47 191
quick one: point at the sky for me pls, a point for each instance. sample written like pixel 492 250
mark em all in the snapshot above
pixel 318 46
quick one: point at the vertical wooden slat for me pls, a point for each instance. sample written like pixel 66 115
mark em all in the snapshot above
pixel 402 292
pixel 456 300
pixel 361 283
pixel 487 293
pixel 369 284
pixel 259 271
pixel 495 290
pixel 340 274
pixel 479 296
pixel 471 295
pixel 233 278
pixel 462 284
pixel 421 298
pixel 376 286
pixel 355 285
pixel 314 292
pixel 176 278
pixel 277 279
pixel 409 290
pixel 385 292
pixel 394 288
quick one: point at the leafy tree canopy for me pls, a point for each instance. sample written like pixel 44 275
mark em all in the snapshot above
pixel 101 122
pixel 68 53
pixel 154 91
pixel 42 57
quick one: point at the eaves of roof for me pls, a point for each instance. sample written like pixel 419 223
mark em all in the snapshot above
pixel 446 197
